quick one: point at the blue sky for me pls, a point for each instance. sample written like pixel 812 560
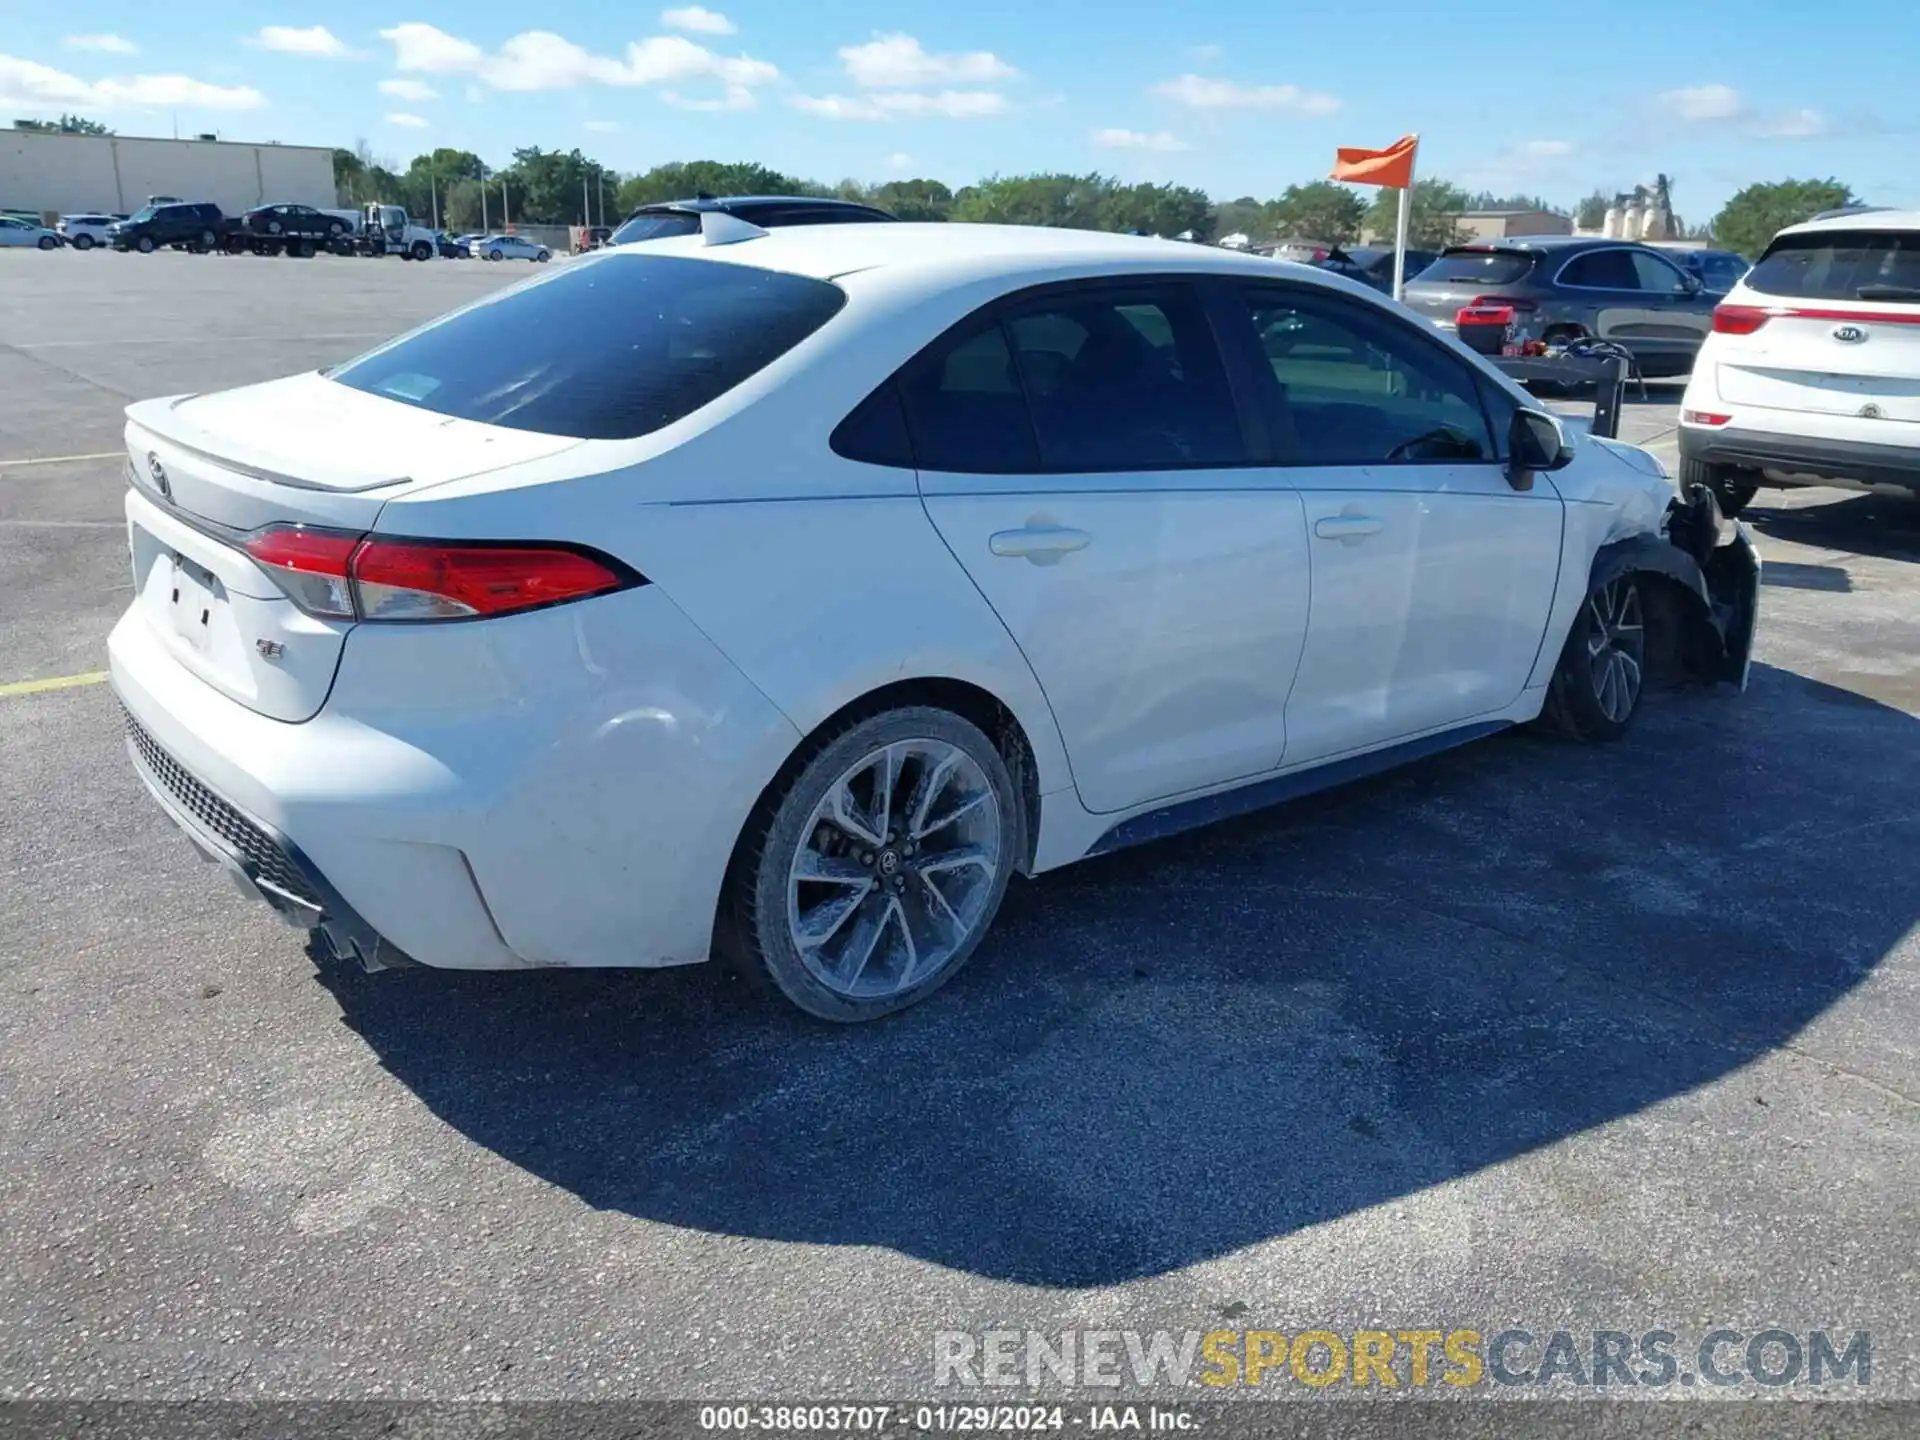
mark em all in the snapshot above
pixel 1236 98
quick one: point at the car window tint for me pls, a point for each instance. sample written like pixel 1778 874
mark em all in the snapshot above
pixel 876 431
pixel 965 408
pixel 1602 270
pixel 1838 264
pixel 1126 381
pixel 1477 267
pixel 1655 274
pixel 605 348
pixel 1355 388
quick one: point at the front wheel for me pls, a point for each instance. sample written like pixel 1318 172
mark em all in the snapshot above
pixel 493 255
pixel 1730 490
pixel 47 242
pixel 1597 685
pixel 83 242
pixel 422 250
pixel 869 879
pixel 144 244
pixel 541 258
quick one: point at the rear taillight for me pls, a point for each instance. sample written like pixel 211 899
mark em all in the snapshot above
pixel 1703 417
pixel 340 575
pixel 1739 319
pixel 1519 304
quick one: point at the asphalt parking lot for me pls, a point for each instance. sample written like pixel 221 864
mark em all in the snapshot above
pixel 1526 1035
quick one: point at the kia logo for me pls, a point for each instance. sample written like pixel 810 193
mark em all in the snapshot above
pixel 159 474
pixel 1849 334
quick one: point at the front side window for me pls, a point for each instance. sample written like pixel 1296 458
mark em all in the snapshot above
pixel 1656 275
pixel 604 349
pixel 1348 387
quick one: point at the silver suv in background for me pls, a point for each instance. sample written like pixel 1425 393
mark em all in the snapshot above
pixel 1565 287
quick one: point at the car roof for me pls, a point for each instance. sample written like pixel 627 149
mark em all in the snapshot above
pixel 1867 217
pixel 1539 242
pixel 951 254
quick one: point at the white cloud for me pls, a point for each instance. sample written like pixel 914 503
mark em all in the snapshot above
pixel 699 19
pixel 1158 140
pixel 106 44
pixel 896 104
pixel 1704 102
pixel 314 40
pixel 401 118
pixel 1791 125
pixel 25 84
pixel 734 97
pixel 541 60
pixel 602 127
pixel 1546 149
pixel 898 62
pixel 1197 92
pixel 415 90
pixel 899 160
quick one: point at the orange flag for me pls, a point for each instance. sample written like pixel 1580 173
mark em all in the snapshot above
pixel 1391 167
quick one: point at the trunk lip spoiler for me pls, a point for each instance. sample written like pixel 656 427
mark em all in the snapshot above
pixel 144 423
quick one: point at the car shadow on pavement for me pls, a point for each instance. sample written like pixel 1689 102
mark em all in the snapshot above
pixel 1886 526
pixel 1171 1053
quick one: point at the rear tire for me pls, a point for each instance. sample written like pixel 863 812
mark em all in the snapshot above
pixel 83 242
pixel 1732 493
pixel 870 874
pixel 1596 688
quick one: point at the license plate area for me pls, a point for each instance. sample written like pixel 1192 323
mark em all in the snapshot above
pixel 196 599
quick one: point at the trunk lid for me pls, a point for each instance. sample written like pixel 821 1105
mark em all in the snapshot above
pixel 208 470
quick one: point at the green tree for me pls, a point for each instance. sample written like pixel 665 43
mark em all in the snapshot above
pixel 1751 218
pixel 1437 206
pixel 1493 200
pixel 1158 210
pixel 685 179
pixel 913 199
pixel 1591 213
pixel 1073 201
pixel 1319 210
pixel 65 125
pixel 1245 216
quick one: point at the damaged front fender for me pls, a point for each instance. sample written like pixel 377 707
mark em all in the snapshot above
pixel 1715 574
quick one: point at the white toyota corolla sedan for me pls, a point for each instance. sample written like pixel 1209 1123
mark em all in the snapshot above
pixel 778 596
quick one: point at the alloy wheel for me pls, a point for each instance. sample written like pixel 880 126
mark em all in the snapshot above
pixel 895 869
pixel 1616 647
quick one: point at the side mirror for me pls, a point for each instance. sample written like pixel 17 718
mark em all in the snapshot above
pixel 1536 442
pixel 1690 285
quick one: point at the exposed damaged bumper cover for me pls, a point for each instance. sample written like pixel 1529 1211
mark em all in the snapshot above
pixel 1713 561
pixel 261 862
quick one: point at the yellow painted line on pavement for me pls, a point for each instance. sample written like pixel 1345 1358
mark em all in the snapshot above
pixel 55 682
pixel 60 459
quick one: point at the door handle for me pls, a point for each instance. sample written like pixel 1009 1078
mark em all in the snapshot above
pixel 1042 544
pixel 1348 527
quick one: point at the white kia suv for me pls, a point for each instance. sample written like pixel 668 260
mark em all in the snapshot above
pixel 1812 373
pixel 780 595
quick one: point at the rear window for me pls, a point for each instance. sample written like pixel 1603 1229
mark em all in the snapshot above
pixel 658 226
pixel 1477 267
pixel 1841 265
pixel 605 349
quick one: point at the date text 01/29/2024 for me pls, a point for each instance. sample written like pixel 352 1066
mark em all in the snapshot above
pixel 944 1419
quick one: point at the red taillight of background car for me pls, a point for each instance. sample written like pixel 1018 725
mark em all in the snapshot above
pixel 1703 417
pixel 1478 314
pixel 1519 304
pixel 1739 319
pixel 344 576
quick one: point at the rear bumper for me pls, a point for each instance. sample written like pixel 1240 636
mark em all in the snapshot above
pixel 262 863
pixel 1814 459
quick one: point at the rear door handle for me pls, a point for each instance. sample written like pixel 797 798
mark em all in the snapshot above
pixel 1348 527
pixel 1042 544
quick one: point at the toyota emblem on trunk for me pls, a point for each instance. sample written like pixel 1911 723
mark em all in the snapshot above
pixel 1849 334
pixel 159 474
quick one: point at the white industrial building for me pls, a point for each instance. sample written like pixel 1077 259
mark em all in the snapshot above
pixel 59 174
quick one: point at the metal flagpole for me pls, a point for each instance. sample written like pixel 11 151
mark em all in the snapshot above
pixel 1404 218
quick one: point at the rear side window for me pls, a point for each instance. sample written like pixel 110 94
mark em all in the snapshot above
pixel 966 410
pixel 656 227
pixel 1841 265
pixel 605 349
pixel 1478 267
